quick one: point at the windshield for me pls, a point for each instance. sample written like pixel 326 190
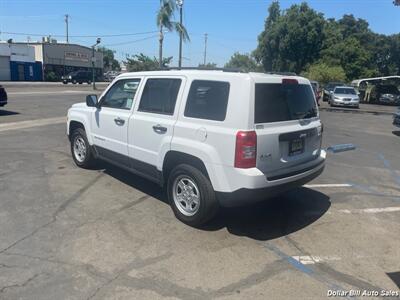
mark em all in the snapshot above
pixel 284 102
pixel 345 91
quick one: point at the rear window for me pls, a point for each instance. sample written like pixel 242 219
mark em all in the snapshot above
pixel 277 102
pixel 207 100
pixel 345 91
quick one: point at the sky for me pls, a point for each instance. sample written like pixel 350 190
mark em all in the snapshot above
pixel 231 25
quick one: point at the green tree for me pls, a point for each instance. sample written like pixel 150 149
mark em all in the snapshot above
pixel 292 39
pixel 165 20
pixel 324 73
pixel 245 62
pixel 141 62
pixel 351 56
pixel 109 61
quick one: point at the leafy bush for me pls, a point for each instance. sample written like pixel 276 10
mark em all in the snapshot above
pixel 51 76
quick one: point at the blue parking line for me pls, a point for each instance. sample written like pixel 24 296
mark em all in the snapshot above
pixel 387 165
pixel 304 269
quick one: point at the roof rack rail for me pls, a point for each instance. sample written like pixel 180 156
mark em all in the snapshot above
pixel 283 73
pixel 233 70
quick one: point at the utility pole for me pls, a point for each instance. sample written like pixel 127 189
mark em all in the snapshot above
pixel 66 27
pixel 94 62
pixel 205 48
pixel 179 3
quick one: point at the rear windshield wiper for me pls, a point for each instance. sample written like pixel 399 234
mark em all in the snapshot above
pixel 306 115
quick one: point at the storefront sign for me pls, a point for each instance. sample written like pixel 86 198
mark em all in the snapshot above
pixel 76 56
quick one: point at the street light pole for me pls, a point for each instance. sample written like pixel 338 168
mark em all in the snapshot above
pixel 179 3
pixel 93 63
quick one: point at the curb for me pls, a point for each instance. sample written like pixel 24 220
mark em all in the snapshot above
pixel 357 111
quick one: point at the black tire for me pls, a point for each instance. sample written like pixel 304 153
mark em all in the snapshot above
pixel 89 159
pixel 89 82
pixel 80 82
pixel 74 81
pixel 208 204
pixel 65 82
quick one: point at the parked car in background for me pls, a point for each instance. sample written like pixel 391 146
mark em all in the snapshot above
pixel 396 118
pixel 385 94
pixel 78 77
pixel 344 96
pixel 3 96
pixel 212 138
pixel 316 89
pixel 328 89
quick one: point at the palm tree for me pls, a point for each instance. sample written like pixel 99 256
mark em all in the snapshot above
pixel 164 20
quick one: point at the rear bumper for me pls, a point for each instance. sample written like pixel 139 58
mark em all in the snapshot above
pixel 243 197
pixel 257 187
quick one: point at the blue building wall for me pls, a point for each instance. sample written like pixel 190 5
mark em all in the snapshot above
pixel 26 71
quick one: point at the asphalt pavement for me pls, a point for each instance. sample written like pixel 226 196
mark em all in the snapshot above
pixel 69 233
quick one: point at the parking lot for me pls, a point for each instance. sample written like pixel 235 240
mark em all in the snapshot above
pixel 69 233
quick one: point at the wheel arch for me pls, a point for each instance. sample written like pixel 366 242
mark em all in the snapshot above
pixel 173 158
pixel 79 121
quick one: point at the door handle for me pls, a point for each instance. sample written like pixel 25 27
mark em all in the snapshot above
pixel 119 121
pixel 159 129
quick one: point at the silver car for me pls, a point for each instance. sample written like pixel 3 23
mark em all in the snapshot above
pixel 344 96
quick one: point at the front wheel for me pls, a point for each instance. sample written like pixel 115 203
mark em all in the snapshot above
pixel 81 150
pixel 191 195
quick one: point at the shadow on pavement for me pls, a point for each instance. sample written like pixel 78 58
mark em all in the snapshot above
pixel 145 186
pixel 396 133
pixel 8 113
pixel 273 218
pixel 395 276
pixel 262 221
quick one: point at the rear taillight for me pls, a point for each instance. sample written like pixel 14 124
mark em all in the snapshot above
pixel 246 149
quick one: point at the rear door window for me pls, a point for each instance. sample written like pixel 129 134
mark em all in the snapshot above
pixel 159 95
pixel 207 100
pixel 275 102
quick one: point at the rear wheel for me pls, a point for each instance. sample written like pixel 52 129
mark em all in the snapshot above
pixel 191 195
pixel 74 81
pixel 81 150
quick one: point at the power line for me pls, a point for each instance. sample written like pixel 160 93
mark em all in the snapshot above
pixel 79 36
pixel 131 42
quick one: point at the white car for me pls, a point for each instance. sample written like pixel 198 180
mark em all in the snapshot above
pixel 344 96
pixel 212 138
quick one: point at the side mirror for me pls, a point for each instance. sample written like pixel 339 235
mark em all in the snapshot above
pixel 91 100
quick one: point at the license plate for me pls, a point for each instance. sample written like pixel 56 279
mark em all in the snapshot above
pixel 296 147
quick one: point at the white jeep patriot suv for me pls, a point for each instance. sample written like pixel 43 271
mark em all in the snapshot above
pixel 212 138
